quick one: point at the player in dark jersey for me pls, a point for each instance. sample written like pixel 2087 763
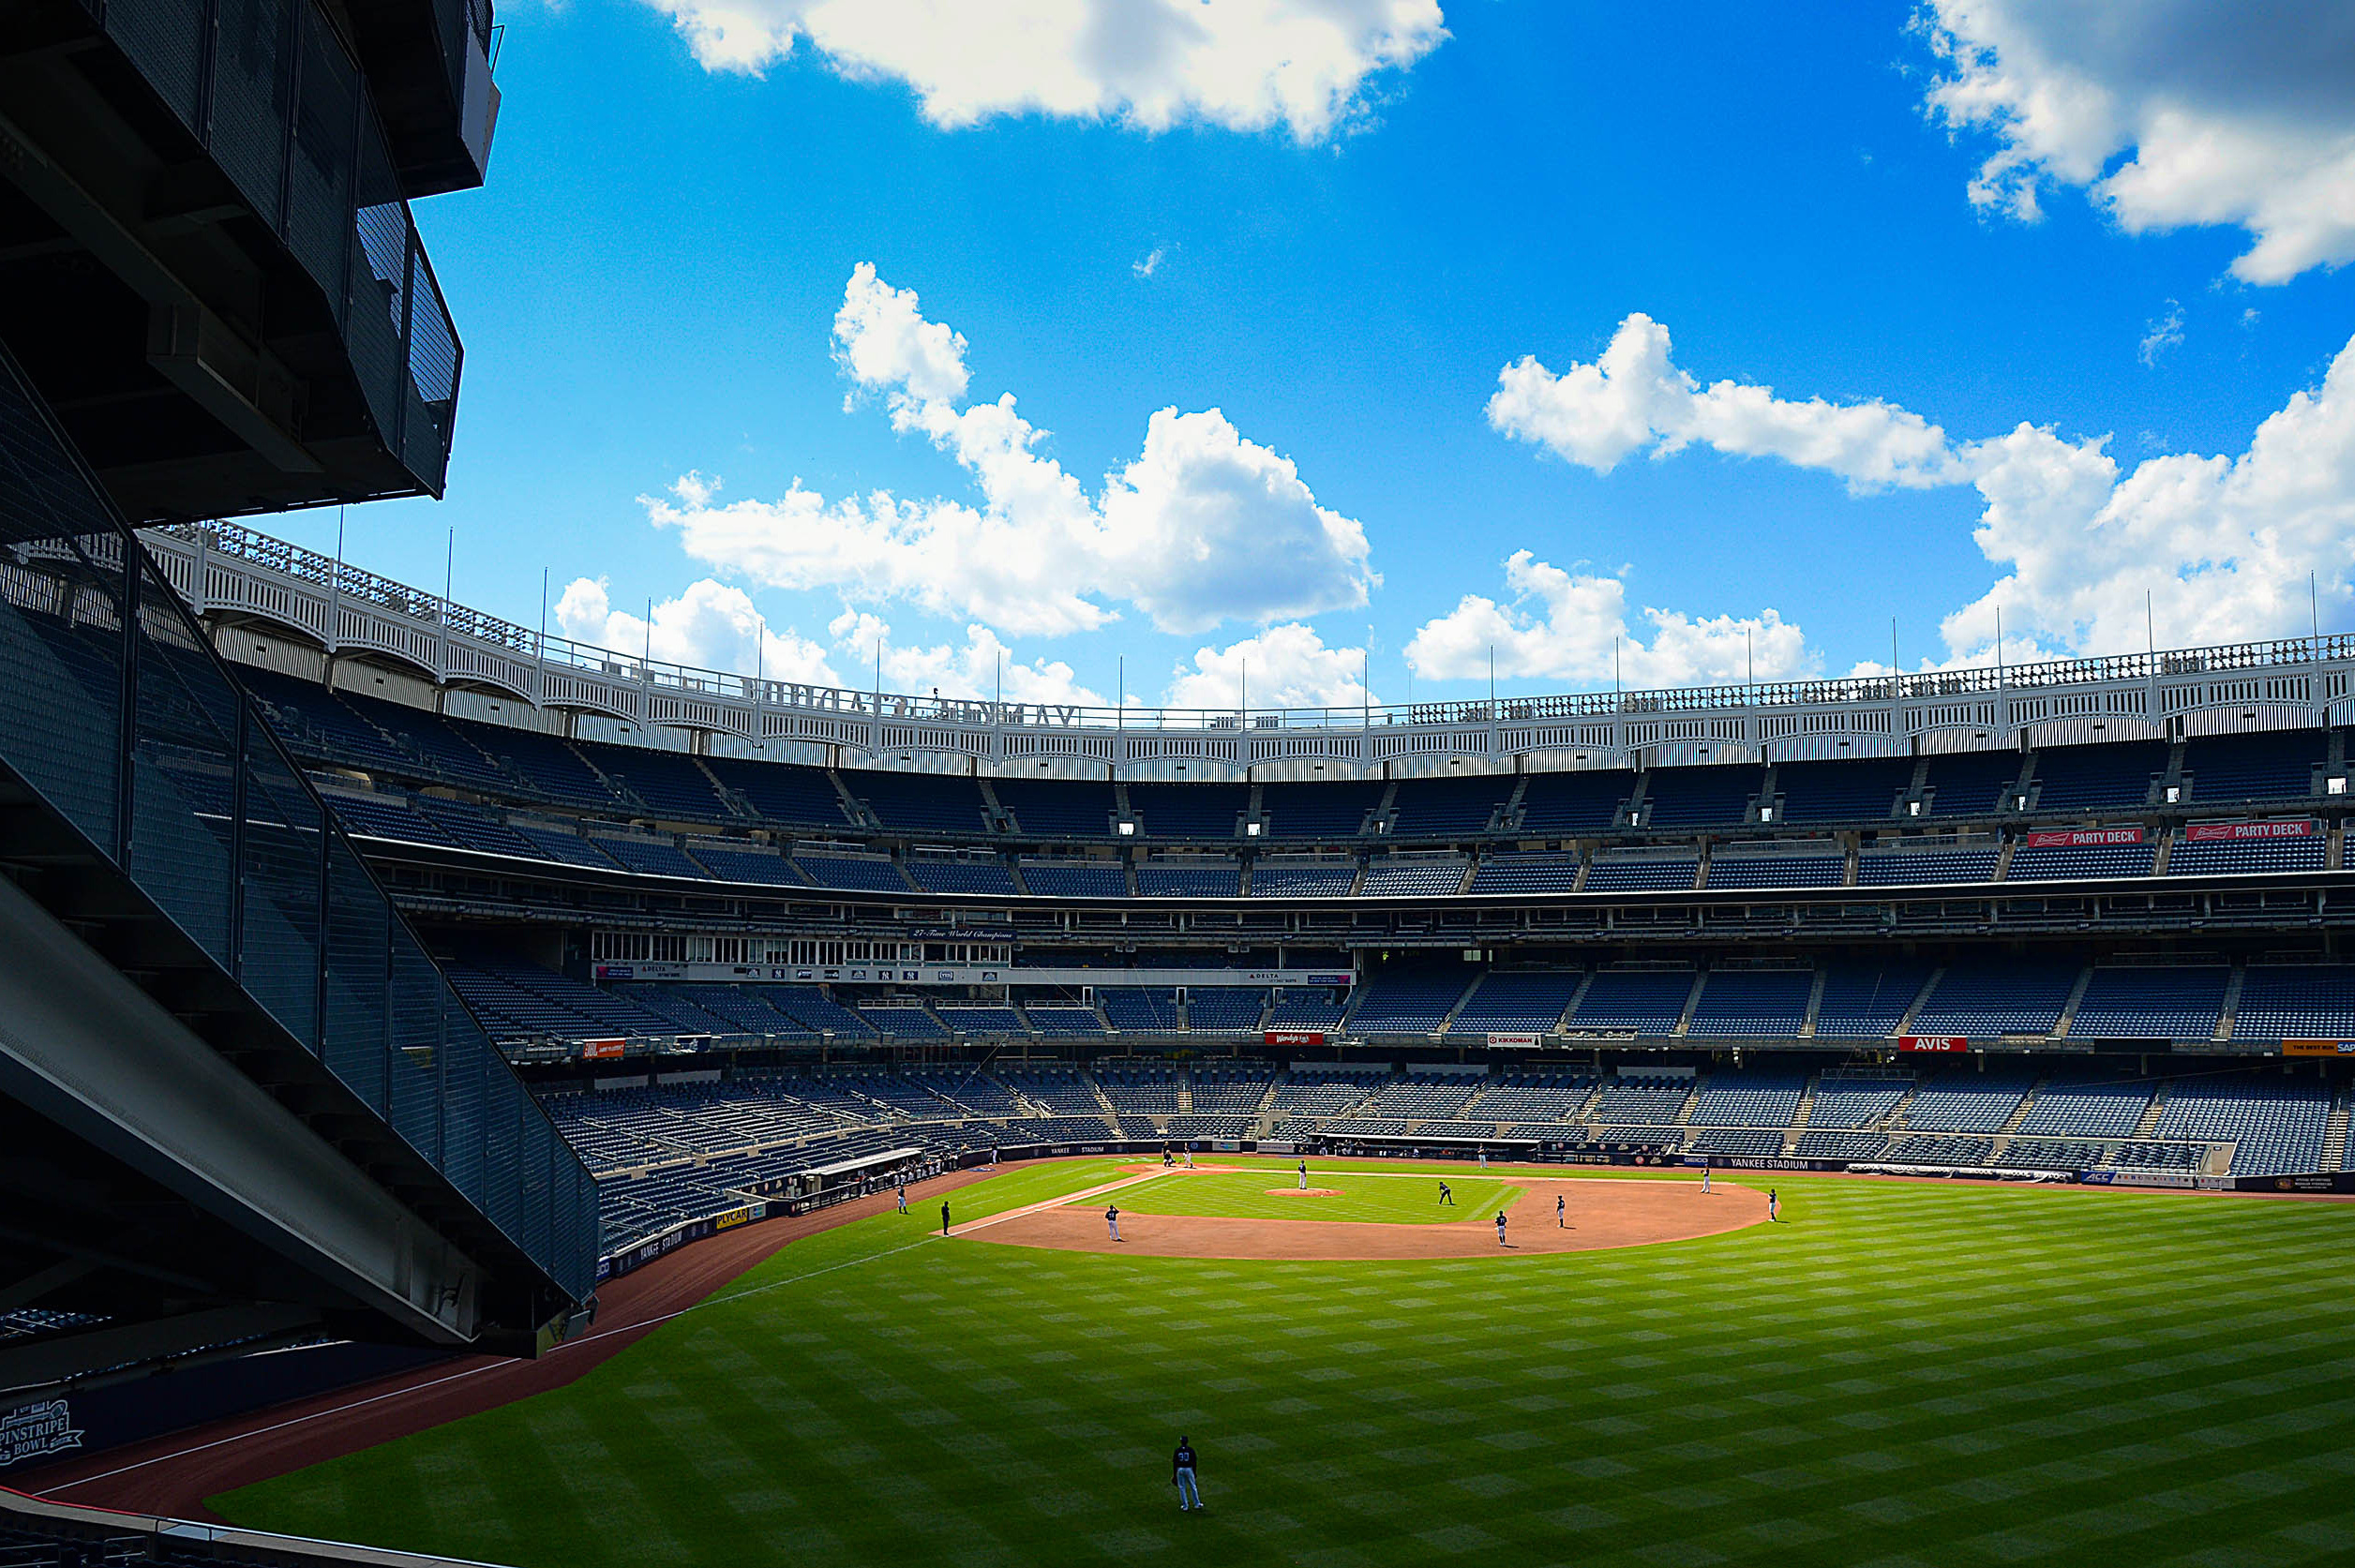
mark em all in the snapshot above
pixel 944 1218
pixel 1181 1475
pixel 1446 1199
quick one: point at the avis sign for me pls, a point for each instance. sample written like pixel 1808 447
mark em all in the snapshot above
pixel 1932 1043
pixel 36 1430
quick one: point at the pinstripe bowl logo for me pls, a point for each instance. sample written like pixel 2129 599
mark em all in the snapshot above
pixel 33 1431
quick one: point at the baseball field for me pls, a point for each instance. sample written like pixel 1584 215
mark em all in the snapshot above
pixel 1898 1373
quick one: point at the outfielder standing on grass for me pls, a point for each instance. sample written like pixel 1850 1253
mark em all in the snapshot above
pixel 1181 1475
pixel 1774 1206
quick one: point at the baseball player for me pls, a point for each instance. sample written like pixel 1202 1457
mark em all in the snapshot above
pixel 1168 1160
pixel 1705 1179
pixel 1304 1176
pixel 1561 1211
pixel 1773 1207
pixel 903 1195
pixel 1446 1199
pixel 944 1217
pixel 1189 1160
pixel 1181 1475
pixel 1484 1159
pixel 1500 1228
pixel 1112 1218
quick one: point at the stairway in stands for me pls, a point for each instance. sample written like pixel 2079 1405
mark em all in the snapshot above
pixel 2028 1104
pixel 1806 1112
pixel 2149 1126
pixel 1263 1115
pixel 2334 1137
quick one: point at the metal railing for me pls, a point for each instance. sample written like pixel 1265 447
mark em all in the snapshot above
pixel 271 92
pixel 123 719
pixel 227 566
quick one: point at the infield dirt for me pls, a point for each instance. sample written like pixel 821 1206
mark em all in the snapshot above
pixel 1600 1212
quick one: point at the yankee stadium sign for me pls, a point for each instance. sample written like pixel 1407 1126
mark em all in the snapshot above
pixel 33 1431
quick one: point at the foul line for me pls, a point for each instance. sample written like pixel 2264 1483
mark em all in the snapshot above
pixel 589 1338
pixel 1065 1200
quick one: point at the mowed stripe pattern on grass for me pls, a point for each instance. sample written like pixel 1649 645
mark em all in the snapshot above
pixel 1901 1374
pixel 1365 1198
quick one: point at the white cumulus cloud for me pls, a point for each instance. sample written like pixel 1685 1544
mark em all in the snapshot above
pixel 2168 112
pixel 1634 398
pixel 2223 545
pixel 1284 666
pixel 1574 626
pixel 983 667
pixel 1242 64
pixel 1205 526
pixel 709 625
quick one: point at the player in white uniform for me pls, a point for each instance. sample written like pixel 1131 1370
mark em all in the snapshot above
pixel 1705 1178
pixel 903 1195
pixel 1112 1218
pixel 1304 1176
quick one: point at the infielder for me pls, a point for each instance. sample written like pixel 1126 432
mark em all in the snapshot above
pixel 1561 1211
pixel 1705 1179
pixel 1181 1475
pixel 1500 1228
pixel 1446 1199
pixel 1112 1218
pixel 1773 1207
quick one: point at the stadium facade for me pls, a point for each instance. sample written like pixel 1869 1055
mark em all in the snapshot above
pixel 758 942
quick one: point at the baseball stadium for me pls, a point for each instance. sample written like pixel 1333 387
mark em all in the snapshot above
pixel 474 1095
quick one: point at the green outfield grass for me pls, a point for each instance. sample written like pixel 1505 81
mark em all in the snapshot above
pixel 1389 1197
pixel 1903 1374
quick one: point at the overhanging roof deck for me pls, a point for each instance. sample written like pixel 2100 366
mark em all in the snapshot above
pixel 208 264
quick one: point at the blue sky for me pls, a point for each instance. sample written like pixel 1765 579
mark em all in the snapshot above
pixel 1859 206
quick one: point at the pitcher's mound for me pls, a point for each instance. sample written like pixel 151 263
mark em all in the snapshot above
pixel 1304 1192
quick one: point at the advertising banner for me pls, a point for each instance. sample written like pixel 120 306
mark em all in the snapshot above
pixel 35 1431
pixel 2212 833
pixel 1928 1043
pixel 2319 1048
pixel 1514 1042
pixel 2080 838
pixel 1293 1037
pixel 600 1051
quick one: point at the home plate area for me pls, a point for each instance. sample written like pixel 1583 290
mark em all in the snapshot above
pixel 1596 1213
